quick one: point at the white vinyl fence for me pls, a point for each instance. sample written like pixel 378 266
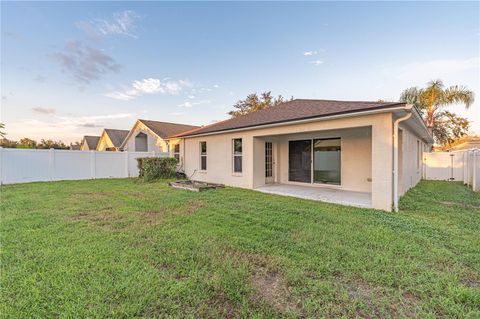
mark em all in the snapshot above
pixel 32 165
pixel 463 166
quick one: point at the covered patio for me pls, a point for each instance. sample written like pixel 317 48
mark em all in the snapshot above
pixel 324 194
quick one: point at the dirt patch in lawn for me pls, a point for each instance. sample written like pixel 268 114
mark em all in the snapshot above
pixel 105 219
pixel 191 207
pixel 271 287
pixel 220 306
pixel 373 299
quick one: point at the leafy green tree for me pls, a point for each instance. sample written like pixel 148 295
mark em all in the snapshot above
pixel 431 101
pixel 253 103
pixel 6 143
pixel 449 127
pixel 46 144
pixel 27 143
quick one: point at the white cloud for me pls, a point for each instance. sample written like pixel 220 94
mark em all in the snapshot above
pixel 216 86
pixel 191 104
pixel 310 53
pixel 66 128
pixel 433 69
pixel 83 63
pixel 43 110
pixel 149 86
pixel 121 23
pixel 316 62
pixel 89 120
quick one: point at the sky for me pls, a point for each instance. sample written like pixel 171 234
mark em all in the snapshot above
pixel 72 69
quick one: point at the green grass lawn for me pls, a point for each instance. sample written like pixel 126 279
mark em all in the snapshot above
pixel 122 248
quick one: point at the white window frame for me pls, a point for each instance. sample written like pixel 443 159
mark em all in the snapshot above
pixel 418 155
pixel 175 153
pixel 237 155
pixel 203 155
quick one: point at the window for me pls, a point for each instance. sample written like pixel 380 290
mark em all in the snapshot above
pixel 326 156
pixel 203 156
pixel 237 155
pixel 176 152
pixel 419 154
pixel 300 161
pixel 327 161
pixel 141 144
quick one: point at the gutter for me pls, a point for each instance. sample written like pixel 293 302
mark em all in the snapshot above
pixel 308 120
pixel 408 108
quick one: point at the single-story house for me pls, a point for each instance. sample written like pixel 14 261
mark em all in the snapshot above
pixel 471 144
pixel 111 139
pixel 89 143
pixel 359 153
pixel 148 136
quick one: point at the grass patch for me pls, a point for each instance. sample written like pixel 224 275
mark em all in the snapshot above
pixel 123 248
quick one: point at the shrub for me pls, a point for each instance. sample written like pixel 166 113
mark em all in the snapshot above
pixel 151 168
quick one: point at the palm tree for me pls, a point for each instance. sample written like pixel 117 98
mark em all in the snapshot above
pixel 2 133
pixel 434 97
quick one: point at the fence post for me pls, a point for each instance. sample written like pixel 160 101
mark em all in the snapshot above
pixel 127 171
pixel 474 171
pixel 51 163
pixel 92 164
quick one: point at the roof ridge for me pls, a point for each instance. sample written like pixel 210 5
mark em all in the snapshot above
pixel 290 111
pixel 143 120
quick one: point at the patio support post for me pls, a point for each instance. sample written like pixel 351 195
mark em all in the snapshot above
pixel 382 164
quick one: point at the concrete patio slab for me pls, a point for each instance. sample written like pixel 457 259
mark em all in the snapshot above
pixel 329 195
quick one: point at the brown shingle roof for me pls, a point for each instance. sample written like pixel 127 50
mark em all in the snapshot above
pixel 298 109
pixel 91 141
pixel 165 129
pixel 116 136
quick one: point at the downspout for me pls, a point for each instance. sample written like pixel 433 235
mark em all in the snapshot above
pixel 408 109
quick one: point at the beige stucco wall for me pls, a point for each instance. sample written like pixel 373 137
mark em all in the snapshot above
pixel 84 146
pixel 154 143
pixel 409 173
pixel 104 142
pixel 219 150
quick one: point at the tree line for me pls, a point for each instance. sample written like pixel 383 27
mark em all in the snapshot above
pixel 29 143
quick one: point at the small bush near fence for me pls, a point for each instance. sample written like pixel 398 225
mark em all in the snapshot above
pixel 151 168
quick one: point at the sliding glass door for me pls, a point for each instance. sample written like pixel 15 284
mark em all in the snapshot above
pixel 327 161
pixel 300 161
pixel 326 166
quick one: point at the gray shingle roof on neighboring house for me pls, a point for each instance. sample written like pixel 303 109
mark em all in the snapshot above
pixel 294 110
pixel 91 141
pixel 116 136
pixel 165 129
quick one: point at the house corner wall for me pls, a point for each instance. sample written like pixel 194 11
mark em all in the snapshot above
pixel 382 162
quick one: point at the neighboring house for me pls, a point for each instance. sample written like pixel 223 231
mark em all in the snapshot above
pixel 75 147
pixel 111 140
pixel 89 143
pixel 345 146
pixel 473 143
pixel 148 136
